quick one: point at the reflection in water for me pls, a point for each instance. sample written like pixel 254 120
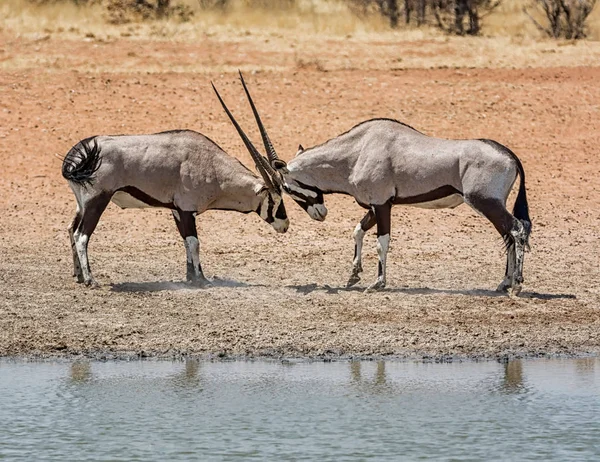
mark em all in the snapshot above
pixel 378 383
pixel 585 366
pixel 81 372
pixel 189 377
pixel 384 411
pixel 513 377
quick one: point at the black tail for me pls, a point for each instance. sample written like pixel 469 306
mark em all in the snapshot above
pixel 82 162
pixel 521 208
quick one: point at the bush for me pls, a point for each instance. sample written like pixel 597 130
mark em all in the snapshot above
pixel 125 11
pixel 566 18
pixel 453 16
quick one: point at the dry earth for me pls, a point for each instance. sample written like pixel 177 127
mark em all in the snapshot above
pixel 283 295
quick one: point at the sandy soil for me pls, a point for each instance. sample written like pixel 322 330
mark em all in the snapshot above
pixel 283 295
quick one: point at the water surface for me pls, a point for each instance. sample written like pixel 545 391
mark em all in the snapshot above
pixel 148 410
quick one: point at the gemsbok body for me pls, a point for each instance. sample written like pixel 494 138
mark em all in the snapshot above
pixel 180 170
pixel 383 162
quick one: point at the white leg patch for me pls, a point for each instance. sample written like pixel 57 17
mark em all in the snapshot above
pixel 81 241
pixel 359 236
pixel 192 248
pixel 383 245
pixel 76 266
pixel 519 236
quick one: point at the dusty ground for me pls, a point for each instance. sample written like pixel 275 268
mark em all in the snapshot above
pixel 283 295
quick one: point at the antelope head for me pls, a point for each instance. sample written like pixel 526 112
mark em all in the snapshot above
pixel 271 208
pixel 308 197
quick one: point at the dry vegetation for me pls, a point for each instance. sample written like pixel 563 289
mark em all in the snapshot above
pixel 196 18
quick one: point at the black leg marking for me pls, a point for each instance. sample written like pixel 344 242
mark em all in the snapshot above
pixel 186 224
pixel 92 212
pixel 495 211
pixel 368 221
pixel 90 216
pixel 383 215
pixel 513 233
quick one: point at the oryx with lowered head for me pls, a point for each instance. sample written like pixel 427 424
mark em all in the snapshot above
pixel 180 170
pixel 383 162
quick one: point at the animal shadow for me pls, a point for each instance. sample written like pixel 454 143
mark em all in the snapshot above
pixel 160 286
pixel 308 288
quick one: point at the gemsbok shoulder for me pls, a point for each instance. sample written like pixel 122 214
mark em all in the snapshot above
pixel 180 170
pixel 383 162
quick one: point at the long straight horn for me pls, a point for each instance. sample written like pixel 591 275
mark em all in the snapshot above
pixel 274 160
pixel 256 156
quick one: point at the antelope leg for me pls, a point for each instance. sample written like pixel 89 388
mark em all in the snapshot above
pixel 367 222
pixel 383 217
pixel 186 224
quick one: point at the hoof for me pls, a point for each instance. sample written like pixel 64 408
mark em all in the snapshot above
pixel 377 285
pixel 92 284
pixel 202 283
pixel 353 280
pixel 516 290
pixel 503 288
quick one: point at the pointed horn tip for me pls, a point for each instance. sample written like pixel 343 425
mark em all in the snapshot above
pixel 243 82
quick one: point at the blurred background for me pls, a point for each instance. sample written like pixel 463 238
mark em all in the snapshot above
pixel 530 19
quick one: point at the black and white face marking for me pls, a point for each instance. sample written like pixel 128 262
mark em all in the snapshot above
pixel 272 210
pixel 308 197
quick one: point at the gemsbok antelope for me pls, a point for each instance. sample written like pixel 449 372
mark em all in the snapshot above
pixel 383 162
pixel 180 170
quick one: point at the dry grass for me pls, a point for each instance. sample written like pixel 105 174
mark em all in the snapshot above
pixel 509 20
pixel 321 34
pixel 316 16
pixel 324 17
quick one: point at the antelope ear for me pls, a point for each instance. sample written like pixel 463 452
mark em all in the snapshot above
pixel 278 164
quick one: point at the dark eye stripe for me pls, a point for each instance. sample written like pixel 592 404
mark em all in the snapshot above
pixel 270 218
pixel 296 195
pixel 281 214
pixel 259 209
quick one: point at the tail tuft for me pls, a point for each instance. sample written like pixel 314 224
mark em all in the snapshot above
pixel 521 208
pixel 82 162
